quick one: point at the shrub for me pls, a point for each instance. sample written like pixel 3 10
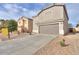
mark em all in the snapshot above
pixel 62 43
pixel 74 30
pixel 12 25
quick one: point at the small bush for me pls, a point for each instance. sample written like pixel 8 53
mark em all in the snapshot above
pixel 15 32
pixel 62 43
pixel 74 30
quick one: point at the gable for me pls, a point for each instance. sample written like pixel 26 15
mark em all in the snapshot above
pixel 52 14
pixel 55 11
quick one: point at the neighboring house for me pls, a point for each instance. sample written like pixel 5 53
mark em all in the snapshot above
pixel 77 28
pixel 25 24
pixel 51 20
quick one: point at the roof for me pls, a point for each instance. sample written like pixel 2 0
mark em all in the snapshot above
pixel 52 5
pixel 25 17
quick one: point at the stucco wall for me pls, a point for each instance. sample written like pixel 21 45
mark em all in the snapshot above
pixel 30 25
pixel 51 14
pixel 65 24
pixel 61 29
pixel 35 27
pixel 20 23
pixel 25 24
pixel 77 29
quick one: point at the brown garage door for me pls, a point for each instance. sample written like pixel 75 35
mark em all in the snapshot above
pixel 49 29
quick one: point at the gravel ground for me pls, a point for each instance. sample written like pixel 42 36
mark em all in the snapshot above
pixel 54 47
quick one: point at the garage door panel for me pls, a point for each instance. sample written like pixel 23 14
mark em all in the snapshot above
pixel 49 29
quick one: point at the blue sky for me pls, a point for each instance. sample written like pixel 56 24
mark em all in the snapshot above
pixel 14 11
pixel 73 13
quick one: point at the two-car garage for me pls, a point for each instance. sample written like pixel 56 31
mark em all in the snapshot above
pixel 49 29
pixel 51 20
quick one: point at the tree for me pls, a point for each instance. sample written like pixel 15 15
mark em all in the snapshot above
pixel 70 25
pixel 1 23
pixel 5 24
pixel 12 25
pixel 77 25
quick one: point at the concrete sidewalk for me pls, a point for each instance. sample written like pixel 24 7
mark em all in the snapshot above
pixel 27 45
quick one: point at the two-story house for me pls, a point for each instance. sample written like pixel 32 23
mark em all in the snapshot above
pixel 52 20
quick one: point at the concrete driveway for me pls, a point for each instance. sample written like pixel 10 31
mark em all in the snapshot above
pixel 25 45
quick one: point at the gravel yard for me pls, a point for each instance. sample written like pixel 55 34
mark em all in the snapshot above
pixel 54 47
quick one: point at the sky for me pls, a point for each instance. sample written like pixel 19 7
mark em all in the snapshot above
pixel 14 11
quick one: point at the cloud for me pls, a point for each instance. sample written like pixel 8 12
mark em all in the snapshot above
pixel 15 11
pixel 73 13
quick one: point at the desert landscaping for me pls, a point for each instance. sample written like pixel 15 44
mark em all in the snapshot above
pixel 54 47
pixel 46 33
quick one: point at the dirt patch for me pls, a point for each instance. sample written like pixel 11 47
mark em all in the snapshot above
pixel 54 47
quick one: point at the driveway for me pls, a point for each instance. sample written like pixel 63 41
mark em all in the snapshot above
pixel 3 38
pixel 26 44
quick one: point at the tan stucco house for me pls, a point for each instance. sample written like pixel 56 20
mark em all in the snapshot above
pixel 25 24
pixel 51 20
pixel 77 29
